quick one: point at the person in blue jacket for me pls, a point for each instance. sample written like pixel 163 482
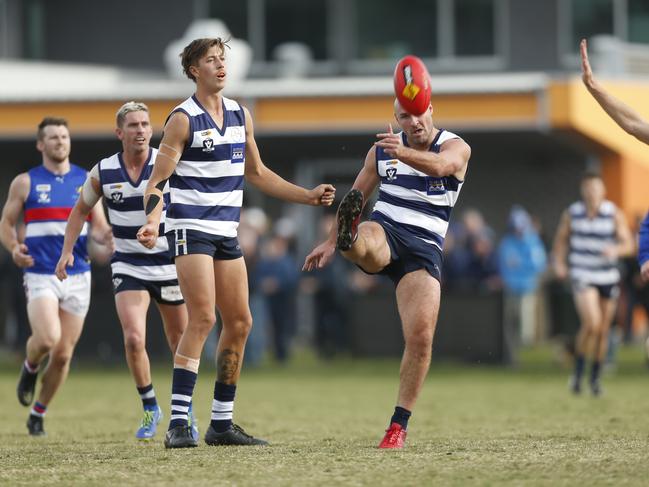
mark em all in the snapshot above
pixel 521 261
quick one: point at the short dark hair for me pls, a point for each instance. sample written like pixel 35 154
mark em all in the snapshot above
pixel 47 121
pixel 197 49
pixel 589 174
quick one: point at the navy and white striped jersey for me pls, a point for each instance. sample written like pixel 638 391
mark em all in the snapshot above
pixel 124 199
pixel 588 239
pixel 207 185
pixel 412 201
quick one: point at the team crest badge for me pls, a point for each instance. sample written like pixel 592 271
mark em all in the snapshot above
pixel 117 197
pixel 391 173
pixel 116 282
pixel 208 145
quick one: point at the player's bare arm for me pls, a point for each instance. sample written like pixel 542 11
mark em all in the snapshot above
pixel 452 159
pixel 258 174
pixel 366 182
pixel 88 202
pixel 18 192
pixel 171 147
pixel 560 247
pixel 627 118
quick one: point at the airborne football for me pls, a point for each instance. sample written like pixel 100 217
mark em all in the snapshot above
pixel 412 84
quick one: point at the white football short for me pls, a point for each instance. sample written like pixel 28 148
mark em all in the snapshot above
pixel 73 294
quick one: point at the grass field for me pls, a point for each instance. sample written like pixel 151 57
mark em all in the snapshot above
pixel 472 426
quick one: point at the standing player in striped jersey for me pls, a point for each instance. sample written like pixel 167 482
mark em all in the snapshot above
pixel 207 149
pixel 139 274
pixel 420 172
pixel 592 235
pixel 45 195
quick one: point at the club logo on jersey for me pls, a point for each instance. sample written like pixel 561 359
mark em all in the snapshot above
pixel 237 134
pixel 43 191
pixel 391 173
pixel 237 153
pixel 205 133
pixel 116 282
pixel 116 186
pixel 117 197
pixel 392 162
pixel 208 145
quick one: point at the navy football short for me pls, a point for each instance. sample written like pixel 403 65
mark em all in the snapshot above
pixel 607 291
pixel 186 242
pixel 164 292
pixel 408 254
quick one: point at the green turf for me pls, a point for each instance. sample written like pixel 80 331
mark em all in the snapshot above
pixel 472 426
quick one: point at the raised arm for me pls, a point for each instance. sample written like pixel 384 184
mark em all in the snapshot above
pixel 560 247
pixel 274 185
pixel 366 182
pixel 171 147
pixel 627 118
pixel 452 159
pixel 18 192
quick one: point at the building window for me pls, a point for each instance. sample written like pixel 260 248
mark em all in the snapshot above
pixel 389 30
pixel 638 21
pixel 233 14
pixel 474 27
pixel 291 21
pixel 589 18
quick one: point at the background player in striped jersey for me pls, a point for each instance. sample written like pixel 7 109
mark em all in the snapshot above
pixel 45 195
pixel 591 236
pixel 139 274
pixel 420 172
pixel 207 149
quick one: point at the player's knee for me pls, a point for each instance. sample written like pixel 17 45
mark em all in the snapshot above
pixel 202 322
pixel 61 359
pixel 420 341
pixel 133 342
pixel 240 326
pixel 48 340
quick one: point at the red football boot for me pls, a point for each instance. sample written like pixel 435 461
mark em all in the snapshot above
pixel 395 437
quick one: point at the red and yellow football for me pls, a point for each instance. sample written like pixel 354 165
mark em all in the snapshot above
pixel 412 85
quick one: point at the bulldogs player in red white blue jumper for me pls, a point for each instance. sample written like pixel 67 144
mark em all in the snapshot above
pixel 45 195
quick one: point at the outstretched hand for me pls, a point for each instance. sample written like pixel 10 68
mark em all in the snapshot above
pixel 586 71
pixel 320 256
pixel 390 142
pixel 323 195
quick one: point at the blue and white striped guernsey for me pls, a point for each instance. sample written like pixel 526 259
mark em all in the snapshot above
pixel 124 199
pixel 412 201
pixel 588 238
pixel 207 185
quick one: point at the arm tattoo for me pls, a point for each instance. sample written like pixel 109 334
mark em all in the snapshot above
pixel 161 185
pixel 153 201
pixel 227 366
